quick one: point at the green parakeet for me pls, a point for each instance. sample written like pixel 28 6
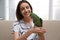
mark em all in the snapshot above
pixel 37 21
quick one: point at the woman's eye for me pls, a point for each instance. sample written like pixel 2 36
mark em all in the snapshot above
pixel 22 8
pixel 27 7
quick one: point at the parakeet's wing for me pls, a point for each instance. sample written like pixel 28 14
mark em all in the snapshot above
pixel 37 21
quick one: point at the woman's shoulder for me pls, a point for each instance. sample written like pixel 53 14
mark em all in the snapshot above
pixel 18 22
pixel 15 23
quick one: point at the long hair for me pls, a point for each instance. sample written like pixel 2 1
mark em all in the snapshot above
pixel 19 15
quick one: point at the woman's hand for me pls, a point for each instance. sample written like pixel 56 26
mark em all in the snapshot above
pixel 39 30
pixel 42 31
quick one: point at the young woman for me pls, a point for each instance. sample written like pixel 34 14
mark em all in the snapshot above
pixel 24 28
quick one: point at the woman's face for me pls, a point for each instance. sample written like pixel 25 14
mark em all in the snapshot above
pixel 25 9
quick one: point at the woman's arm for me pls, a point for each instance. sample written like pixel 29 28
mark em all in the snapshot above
pixel 22 37
pixel 32 30
pixel 41 34
pixel 41 37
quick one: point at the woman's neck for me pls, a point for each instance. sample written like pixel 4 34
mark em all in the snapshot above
pixel 27 19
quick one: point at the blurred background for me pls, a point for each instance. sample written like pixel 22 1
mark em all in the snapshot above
pixel 45 9
pixel 48 10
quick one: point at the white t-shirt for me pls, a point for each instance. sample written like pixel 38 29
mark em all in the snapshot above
pixel 22 27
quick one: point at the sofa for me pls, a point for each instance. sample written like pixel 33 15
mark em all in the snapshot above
pixel 52 28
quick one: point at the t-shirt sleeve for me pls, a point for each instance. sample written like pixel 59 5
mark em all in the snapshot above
pixel 15 27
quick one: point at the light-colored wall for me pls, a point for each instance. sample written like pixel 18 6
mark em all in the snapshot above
pixel 52 27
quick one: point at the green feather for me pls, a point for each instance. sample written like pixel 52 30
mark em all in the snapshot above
pixel 37 21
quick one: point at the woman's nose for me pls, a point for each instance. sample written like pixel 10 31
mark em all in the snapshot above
pixel 25 9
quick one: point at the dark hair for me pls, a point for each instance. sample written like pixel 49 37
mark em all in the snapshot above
pixel 18 12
